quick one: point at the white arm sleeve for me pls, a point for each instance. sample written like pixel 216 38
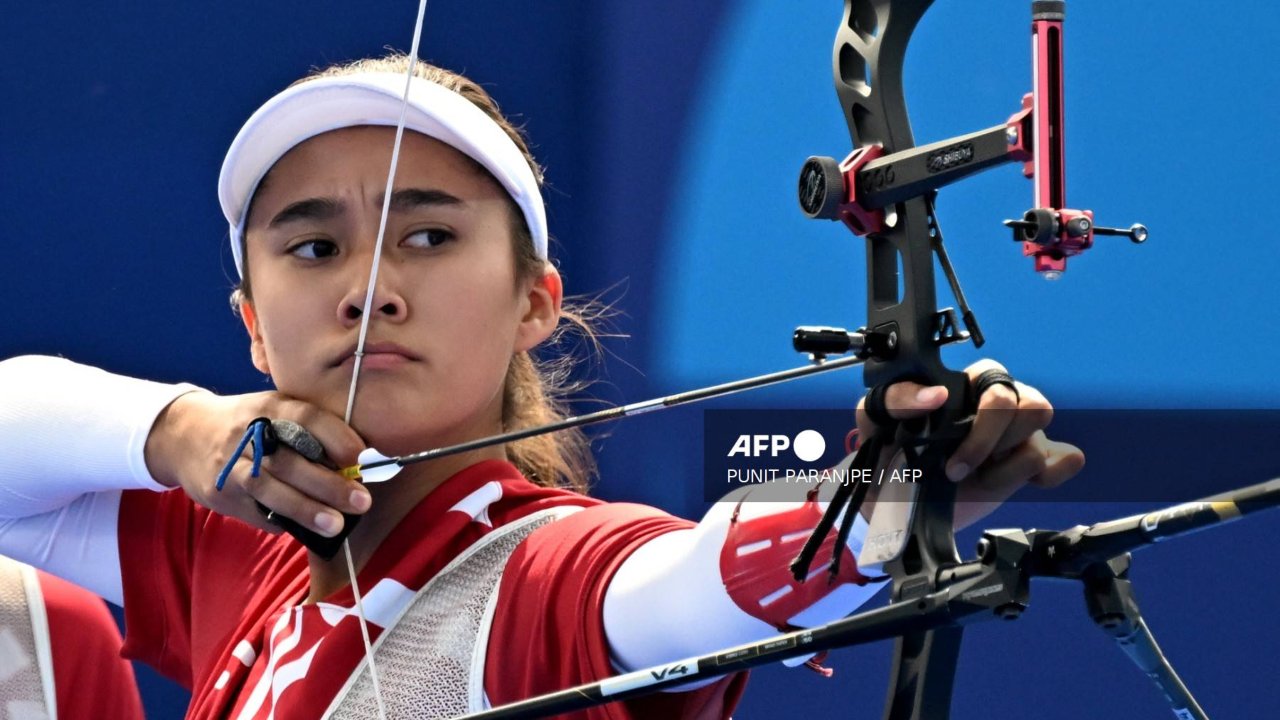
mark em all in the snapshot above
pixel 667 600
pixel 72 437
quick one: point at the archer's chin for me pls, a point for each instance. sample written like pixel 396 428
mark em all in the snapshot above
pixel 392 431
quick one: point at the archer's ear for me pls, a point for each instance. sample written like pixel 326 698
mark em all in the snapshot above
pixel 257 348
pixel 542 313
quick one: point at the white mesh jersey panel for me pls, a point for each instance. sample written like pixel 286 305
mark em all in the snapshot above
pixel 431 661
pixel 22 671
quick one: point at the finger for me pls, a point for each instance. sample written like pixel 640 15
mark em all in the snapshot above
pixel 994 416
pixel 1062 462
pixel 1033 413
pixel 996 483
pixel 233 500
pixel 247 511
pixel 297 506
pixel 341 443
pixel 1002 478
pixel 903 400
pixel 318 482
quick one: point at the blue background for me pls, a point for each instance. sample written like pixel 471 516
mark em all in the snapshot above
pixel 672 133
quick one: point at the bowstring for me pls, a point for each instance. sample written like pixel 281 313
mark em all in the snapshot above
pixel 365 313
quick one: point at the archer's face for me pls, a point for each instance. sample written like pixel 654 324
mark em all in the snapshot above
pixel 448 311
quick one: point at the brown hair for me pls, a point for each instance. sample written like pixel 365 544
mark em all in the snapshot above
pixel 536 390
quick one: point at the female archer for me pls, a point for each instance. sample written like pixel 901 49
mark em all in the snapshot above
pixel 474 580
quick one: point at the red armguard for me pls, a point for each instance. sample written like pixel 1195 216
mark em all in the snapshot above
pixel 756 557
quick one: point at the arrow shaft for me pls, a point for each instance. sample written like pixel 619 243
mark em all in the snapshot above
pixel 621 411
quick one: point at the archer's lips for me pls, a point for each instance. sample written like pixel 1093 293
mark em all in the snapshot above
pixel 379 355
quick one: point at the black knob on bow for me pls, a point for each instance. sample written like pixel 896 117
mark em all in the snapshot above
pixel 821 188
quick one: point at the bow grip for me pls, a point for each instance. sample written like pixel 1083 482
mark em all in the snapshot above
pixel 946 426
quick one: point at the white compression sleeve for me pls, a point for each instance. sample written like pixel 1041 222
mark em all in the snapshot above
pixel 76 542
pixel 668 601
pixel 68 432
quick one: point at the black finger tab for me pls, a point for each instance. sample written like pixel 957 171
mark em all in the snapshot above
pixel 300 440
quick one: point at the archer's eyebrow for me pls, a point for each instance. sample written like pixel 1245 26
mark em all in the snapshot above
pixel 309 209
pixel 320 209
pixel 418 198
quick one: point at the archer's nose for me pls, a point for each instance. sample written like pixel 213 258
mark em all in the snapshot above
pixel 387 305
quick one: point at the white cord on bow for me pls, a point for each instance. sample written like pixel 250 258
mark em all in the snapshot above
pixel 366 312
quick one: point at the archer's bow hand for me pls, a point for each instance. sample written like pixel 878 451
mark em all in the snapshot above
pixel 193 438
pixel 1005 449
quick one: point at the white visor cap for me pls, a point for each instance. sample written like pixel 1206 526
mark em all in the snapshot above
pixel 317 106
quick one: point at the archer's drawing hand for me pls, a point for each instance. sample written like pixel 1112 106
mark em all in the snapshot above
pixel 195 436
pixel 1005 449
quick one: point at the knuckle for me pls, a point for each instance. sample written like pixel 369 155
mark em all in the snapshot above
pixel 984 365
pixel 308 478
pixel 214 502
pixel 262 403
pixel 292 470
pixel 252 484
pixel 1028 392
pixel 1039 415
pixel 333 490
pixel 231 434
pixel 302 413
pixel 1034 460
pixel 290 409
pixel 998 397
pixel 278 466
pixel 1036 402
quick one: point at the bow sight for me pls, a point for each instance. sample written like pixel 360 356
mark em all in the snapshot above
pixel 861 190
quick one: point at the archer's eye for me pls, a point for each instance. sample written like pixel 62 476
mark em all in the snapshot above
pixel 428 238
pixel 314 249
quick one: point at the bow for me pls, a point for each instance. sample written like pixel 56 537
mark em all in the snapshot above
pixel 884 191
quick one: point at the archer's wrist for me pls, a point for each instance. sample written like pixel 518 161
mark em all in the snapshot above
pixel 168 437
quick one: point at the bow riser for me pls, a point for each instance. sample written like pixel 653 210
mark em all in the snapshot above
pixel 868 61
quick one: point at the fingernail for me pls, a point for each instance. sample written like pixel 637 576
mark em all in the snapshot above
pixel 328 523
pixel 957 471
pixel 360 499
pixel 925 395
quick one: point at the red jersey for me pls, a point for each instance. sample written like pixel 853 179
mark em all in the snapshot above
pixel 90 678
pixel 217 605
